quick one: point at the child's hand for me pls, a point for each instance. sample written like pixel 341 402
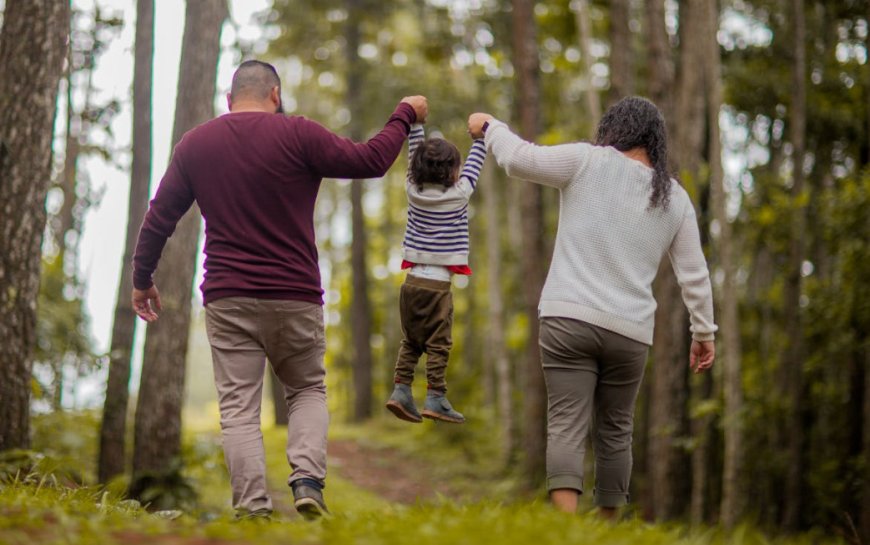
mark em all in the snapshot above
pixel 420 105
pixel 475 124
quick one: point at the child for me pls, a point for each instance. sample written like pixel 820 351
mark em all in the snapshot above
pixel 435 248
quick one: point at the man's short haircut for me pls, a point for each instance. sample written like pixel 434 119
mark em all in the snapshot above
pixel 254 80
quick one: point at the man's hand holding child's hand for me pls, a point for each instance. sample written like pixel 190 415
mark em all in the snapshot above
pixel 420 105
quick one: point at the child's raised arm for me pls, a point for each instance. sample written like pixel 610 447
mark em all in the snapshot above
pixel 415 138
pixel 473 163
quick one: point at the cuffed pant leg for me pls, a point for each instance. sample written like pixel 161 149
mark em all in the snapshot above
pixel 569 411
pixel 621 374
pixel 239 364
pixel 570 374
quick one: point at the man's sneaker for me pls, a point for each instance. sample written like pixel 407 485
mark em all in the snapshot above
pixel 308 500
pixel 402 405
pixel 437 407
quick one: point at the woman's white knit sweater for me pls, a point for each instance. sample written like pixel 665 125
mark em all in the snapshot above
pixel 610 242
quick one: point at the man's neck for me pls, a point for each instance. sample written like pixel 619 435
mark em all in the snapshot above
pixel 243 107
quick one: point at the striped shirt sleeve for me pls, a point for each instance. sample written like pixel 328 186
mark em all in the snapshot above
pixel 415 138
pixel 474 162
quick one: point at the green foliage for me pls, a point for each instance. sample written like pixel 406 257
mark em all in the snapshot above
pixel 62 336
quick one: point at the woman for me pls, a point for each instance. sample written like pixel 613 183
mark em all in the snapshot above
pixel 620 212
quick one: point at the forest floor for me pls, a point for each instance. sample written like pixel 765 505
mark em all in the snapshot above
pixel 386 485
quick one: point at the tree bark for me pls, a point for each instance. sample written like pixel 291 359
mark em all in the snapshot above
pixel 495 332
pixel 584 34
pixel 660 58
pixel 33 46
pixel 282 415
pixel 792 364
pixel 65 219
pixel 865 489
pixel 360 306
pixel 865 492
pixel 621 73
pixel 667 393
pixel 158 412
pixel 669 386
pixel 732 492
pixel 525 51
pixel 113 430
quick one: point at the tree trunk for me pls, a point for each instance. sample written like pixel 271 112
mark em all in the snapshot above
pixel 666 384
pixel 657 463
pixel 584 34
pixel 360 307
pixel 669 387
pixel 64 221
pixel 282 415
pixel 113 430
pixel 660 59
pixel 495 320
pixel 158 412
pixel 865 492
pixel 865 489
pixel 732 493
pixel 621 73
pixel 793 362
pixel 525 50
pixel 33 46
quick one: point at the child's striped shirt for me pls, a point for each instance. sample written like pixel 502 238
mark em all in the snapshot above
pixel 437 228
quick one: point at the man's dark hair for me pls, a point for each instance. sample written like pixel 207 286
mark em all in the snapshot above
pixel 436 161
pixel 635 122
pixel 254 79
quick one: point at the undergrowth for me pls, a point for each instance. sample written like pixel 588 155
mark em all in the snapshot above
pixel 38 507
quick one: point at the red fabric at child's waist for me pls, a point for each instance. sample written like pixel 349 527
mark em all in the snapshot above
pixel 455 269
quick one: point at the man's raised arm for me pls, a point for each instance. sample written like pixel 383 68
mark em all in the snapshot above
pixel 332 156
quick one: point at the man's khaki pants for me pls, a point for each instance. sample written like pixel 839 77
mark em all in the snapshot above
pixel 243 333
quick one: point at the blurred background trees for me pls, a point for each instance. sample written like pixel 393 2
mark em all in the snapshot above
pixel 767 109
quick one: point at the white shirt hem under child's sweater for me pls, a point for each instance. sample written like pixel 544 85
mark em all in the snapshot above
pixel 610 242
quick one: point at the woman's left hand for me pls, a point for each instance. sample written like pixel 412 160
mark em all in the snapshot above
pixel 701 355
pixel 475 124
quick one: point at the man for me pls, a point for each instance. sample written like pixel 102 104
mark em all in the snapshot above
pixel 255 176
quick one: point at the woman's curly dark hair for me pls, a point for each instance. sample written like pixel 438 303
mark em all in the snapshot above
pixel 635 122
pixel 435 161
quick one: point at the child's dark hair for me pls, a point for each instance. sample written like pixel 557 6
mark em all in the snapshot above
pixel 635 122
pixel 435 161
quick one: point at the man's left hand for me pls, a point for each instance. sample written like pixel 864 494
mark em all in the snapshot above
pixel 142 303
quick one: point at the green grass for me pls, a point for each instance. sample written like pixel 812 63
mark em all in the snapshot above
pixel 35 509
pixel 32 514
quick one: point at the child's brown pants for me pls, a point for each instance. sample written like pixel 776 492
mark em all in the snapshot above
pixel 426 311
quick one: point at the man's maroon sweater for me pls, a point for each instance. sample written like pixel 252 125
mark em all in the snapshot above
pixel 255 177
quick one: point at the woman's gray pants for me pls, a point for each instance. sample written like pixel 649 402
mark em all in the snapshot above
pixel 591 373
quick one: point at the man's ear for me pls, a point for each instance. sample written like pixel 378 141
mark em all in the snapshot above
pixel 229 101
pixel 275 96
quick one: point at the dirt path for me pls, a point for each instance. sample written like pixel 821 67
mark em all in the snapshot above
pixel 384 471
pixel 381 470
